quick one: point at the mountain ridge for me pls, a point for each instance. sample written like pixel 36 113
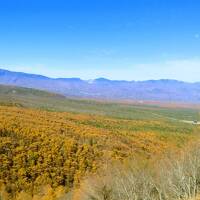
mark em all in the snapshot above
pixel 158 90
pixel 98 79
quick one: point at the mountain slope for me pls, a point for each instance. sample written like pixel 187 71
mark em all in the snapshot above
pixel 156 90
pixel 20 91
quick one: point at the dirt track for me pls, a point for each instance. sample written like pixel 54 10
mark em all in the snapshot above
pixel 179 120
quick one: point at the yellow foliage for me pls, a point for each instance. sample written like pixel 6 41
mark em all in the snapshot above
pixel 40 148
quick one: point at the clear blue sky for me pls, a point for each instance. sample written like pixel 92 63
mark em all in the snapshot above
pixel 117 39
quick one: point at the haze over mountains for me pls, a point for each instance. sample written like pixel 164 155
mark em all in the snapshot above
pixel 152 90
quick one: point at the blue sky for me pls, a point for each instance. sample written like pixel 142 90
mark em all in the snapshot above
pixel 116 39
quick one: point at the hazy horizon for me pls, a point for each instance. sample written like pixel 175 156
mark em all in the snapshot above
pixel 76 77
pixel 119 40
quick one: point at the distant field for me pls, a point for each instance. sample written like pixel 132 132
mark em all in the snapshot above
pixel 23 97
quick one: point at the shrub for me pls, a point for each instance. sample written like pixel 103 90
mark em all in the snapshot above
pixel 172 178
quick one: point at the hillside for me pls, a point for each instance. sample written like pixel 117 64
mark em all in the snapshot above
pixel 158 90
pixel 22 91
pixel 41 148
pixel 50 143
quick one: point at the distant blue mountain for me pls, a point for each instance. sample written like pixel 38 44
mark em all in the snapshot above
pixel 152 90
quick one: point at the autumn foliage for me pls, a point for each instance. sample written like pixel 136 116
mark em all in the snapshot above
pixel 50 152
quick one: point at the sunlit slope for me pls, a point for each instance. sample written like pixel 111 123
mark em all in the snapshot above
pixel 58 148
pixel 107 133
pixel 23 97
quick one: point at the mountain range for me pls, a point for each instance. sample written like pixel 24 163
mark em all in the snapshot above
pixel 101 88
